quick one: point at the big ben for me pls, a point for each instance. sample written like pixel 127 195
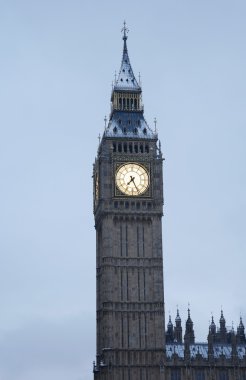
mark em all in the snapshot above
pixel 128 210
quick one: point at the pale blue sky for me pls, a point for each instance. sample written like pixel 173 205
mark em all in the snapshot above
pixel 57 62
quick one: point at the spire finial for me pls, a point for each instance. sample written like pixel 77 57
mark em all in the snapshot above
pixel 155 122
pixel 139 79
pixel 105 122
pixel 124 30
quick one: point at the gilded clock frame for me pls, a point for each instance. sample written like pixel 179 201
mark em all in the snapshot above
pixel 146 166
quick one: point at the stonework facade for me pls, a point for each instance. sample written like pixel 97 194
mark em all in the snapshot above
pixel 128 209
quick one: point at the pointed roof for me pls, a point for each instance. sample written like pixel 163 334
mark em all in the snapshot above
pixel 241 325
pixel 170 325
pixel 212 327
pixel 222 318
pixel 178 319
pixel 126 80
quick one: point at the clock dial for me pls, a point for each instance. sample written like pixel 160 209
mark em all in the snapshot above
pixel 132 179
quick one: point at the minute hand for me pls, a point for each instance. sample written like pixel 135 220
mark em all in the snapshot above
pixel 135 185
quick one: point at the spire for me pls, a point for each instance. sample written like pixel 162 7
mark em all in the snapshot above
pixel 177 319
pixel 222 323
pixel 125 30
pixel 222 333
pixel 127 112
pixel 189 331
pixel 169 332
pixel 126 79
pixel 169 325
pixel 212 327
pixel 240 332
pixel 178 328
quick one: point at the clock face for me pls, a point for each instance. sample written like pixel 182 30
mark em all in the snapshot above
pixel 132 179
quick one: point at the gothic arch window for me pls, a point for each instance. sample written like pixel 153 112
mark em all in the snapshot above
pixel 141 148
pixel 124 103
pixel 114 147
pixel 119 147
pixel 136 148
pixel 147 148
pixel 130 147
pixel 125 147
pixel 135 103
pixel 120 102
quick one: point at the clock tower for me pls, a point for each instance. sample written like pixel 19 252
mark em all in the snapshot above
pixel 128 209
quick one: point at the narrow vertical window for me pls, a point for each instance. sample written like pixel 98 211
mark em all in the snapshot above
pixel 144 289
pixel 122 330
pixel 139 330
pixel 138 286
pixel 138 241
pixel 127 288
pixel 121 239
pixel 126 240
pixel 128 335
pixel 121 285
pixel 143 242
pixel 145 329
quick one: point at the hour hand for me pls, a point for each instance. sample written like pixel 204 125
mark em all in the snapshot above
pixel 131 180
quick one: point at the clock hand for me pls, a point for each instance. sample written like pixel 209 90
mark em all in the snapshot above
pixel 131 180
pixel 135 184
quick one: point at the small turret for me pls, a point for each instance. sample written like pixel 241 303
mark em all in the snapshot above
pixel 211 340
pixel 169 332
pixel 240 333
pixel 178 328
pixel 212 327
pixel 189 331
pixel 222 334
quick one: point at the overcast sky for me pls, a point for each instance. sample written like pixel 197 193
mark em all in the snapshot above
pixel 57 62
